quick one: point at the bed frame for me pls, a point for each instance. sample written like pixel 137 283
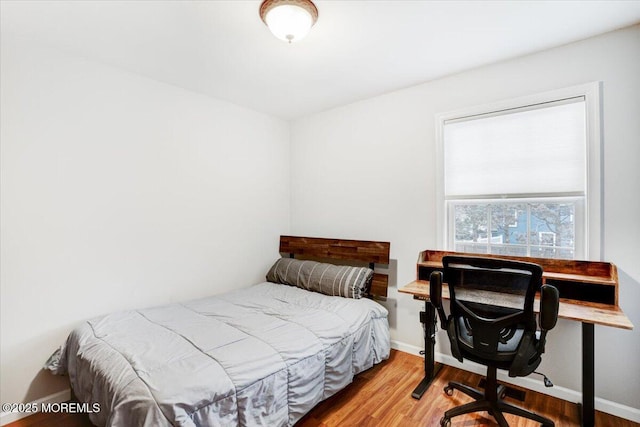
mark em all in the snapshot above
pixel 349 251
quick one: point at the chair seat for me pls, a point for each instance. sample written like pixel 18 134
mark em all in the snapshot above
pixel 506 351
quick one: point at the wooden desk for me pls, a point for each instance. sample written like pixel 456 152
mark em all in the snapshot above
pixel 588 294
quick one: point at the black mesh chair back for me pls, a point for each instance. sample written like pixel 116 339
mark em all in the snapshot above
pixel 491 305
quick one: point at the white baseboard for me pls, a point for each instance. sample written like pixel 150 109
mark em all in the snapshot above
pixel 530 383
pixel 59 397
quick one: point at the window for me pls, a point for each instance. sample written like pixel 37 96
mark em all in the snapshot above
pixel 541 228
pixel 522 177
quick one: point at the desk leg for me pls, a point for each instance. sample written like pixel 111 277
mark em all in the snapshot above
pixel 428 320
pixel 588 375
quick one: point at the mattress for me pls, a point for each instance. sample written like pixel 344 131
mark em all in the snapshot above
pixel 262 355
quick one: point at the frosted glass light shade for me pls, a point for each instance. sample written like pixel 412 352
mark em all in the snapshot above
pixel 289 20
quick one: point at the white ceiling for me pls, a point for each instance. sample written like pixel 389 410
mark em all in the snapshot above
pixel 356 50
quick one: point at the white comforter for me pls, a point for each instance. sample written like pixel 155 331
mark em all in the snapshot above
pixel 263 355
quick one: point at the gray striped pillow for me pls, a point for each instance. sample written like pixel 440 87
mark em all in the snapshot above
pixel 328 279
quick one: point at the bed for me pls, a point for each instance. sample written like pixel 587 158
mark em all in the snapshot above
pixel 261 355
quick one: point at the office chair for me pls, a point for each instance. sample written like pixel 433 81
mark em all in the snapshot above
pixel 492 322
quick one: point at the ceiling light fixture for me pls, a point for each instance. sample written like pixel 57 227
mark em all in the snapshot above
pixel 289 20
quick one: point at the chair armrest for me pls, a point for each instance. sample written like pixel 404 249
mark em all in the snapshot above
pixel 549 303
pixel 435 288
pixel 435 295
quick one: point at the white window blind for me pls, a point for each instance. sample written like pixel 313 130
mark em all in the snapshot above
pixel 536 150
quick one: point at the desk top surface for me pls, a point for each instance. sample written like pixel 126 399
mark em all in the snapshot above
pixel 587 312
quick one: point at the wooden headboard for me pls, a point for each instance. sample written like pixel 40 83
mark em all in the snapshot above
pixel 322 249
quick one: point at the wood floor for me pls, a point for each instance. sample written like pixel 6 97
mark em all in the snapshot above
pixel 381 396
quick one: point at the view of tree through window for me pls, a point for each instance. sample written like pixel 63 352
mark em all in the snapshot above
pixel 537 229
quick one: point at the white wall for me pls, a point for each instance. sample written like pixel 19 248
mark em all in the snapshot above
pixel 366 171
pixel 121 192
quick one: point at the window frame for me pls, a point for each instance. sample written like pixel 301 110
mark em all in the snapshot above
pixel 593 210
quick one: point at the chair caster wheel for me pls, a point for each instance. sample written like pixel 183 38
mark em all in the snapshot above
pixel 445 422
pixel 448 390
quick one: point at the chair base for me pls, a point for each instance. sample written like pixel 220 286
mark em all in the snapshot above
pixel 490 401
